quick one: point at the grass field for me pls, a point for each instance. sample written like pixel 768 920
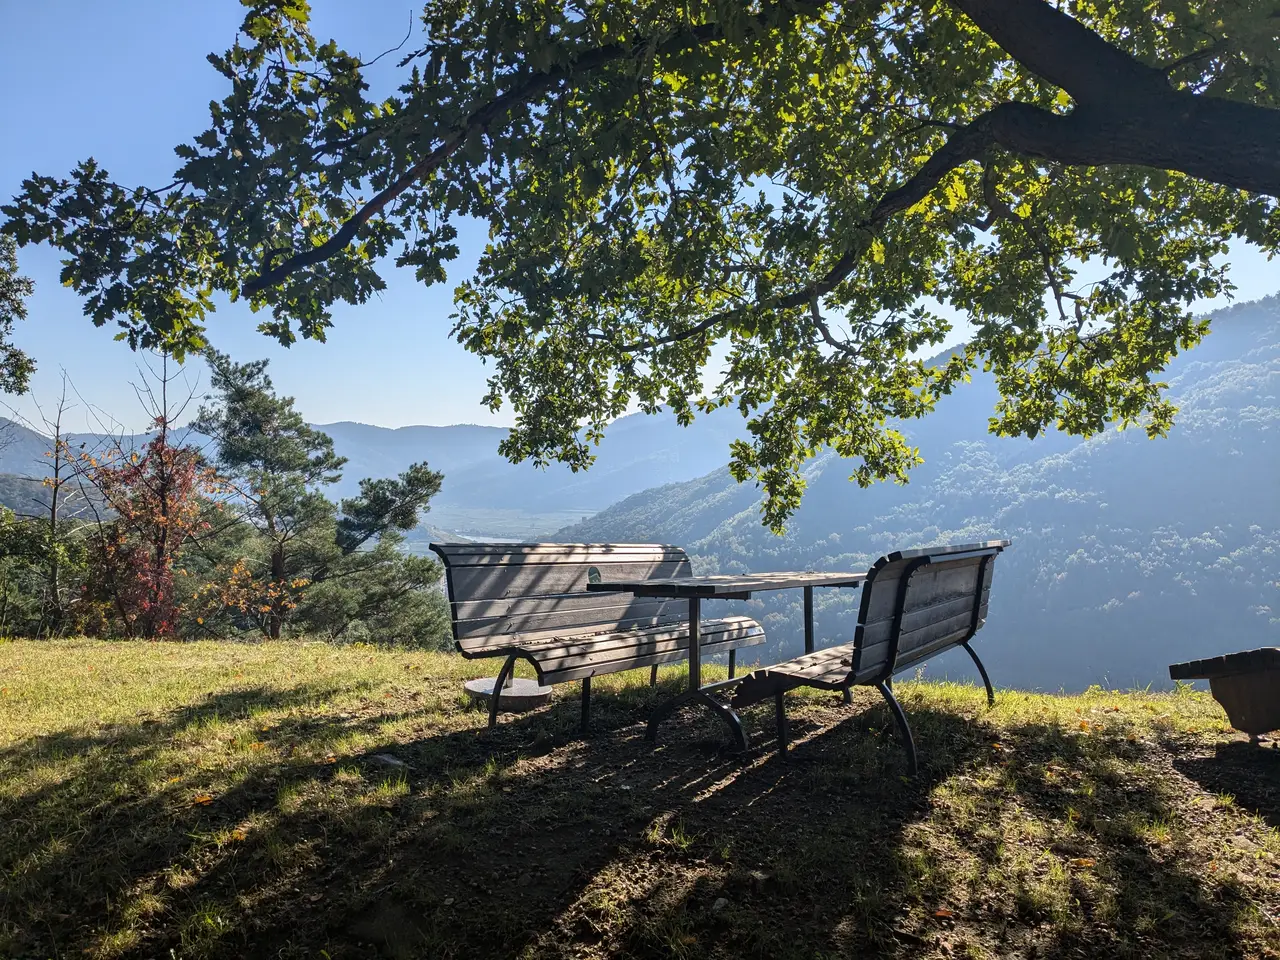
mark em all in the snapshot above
pixel 221 800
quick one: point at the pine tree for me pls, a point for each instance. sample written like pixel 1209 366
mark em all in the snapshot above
pixel 321 567
pixel 276 464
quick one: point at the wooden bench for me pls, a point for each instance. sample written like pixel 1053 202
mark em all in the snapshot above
pixel 1247 684
pixel 915 604
pixel 530 601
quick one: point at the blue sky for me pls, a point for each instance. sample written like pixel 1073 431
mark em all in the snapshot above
pixel 126 80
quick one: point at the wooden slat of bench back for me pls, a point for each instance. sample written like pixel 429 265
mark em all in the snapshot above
pixel 501 591
pixel 938 609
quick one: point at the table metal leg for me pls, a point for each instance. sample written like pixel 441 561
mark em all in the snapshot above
pixel 695 644
pixel 719 708
pixel 808 619
pixel 695 693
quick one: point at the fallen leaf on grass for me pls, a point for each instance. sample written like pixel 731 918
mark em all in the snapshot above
pixel 204 799
pixel 239 833
pixel 1084 724
pixel 329 758
pixel 1084 862
pixel 943 913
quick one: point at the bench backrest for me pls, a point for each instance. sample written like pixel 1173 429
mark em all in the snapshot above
pixel 503 593
pixel 916 603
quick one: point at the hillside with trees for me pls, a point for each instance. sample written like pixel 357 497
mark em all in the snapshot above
pixel 1128 553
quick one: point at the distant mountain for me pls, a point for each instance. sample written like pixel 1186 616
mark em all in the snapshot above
pixel 483 493
pixel 638 451
pixel 1128 554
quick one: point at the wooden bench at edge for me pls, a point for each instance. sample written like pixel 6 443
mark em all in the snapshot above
pixel 530 601
pixel 915 604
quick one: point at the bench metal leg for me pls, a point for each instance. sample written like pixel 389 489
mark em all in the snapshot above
pixel 991 694
pixel 586 703
pixel 733 662
pixel 653 675
pixel 722 710
pixel 847 695
pixel 903 727
pixel 780 715
pixel 499 682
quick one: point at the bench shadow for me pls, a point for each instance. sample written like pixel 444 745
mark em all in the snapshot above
pixel 1248 773
pixel 529 841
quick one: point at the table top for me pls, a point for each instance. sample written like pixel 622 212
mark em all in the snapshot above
pixel 726 586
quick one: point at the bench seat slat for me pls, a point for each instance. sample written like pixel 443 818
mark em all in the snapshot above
pixel 826 669
pixel 657 648
pixel 558 659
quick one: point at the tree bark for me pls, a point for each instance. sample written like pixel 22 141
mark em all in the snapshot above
pixel 1126 112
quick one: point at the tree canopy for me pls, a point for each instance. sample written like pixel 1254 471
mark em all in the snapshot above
pixel 764 204
pixel 16 367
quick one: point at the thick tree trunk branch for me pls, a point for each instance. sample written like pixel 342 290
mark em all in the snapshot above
pixel 1062 50
pixel 1126 113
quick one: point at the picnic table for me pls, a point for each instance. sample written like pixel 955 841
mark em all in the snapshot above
pixel 721 587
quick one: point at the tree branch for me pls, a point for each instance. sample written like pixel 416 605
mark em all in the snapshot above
pixel 1195 56
pixel 522 91
pixel 968 143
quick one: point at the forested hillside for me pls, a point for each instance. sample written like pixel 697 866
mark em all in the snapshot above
pixel 1128 553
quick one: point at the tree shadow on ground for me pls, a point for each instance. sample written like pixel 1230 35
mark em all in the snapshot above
pixel 526 840
pixel 1038 843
